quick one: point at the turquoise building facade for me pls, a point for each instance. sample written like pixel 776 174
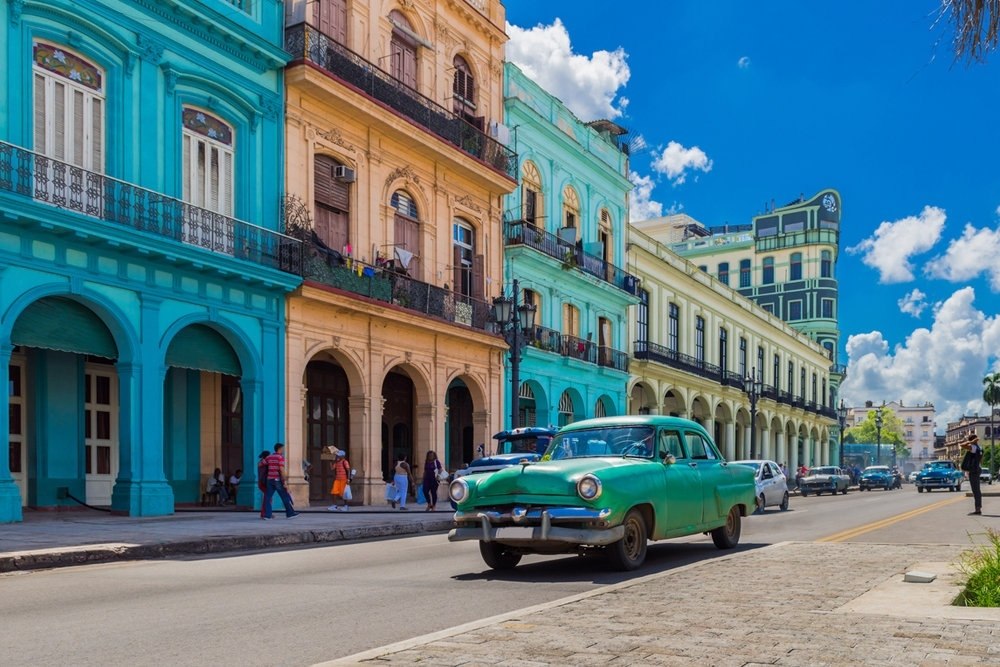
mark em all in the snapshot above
pixel 142 275
pixel 565 232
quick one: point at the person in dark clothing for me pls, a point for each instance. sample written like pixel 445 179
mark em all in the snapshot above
pixel 432 468
pixel 262 477
pixel 971 445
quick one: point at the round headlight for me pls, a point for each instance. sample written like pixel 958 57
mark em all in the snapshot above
pixel 458 490
pixel 589 487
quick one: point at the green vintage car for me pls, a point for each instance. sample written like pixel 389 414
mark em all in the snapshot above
pixel 611 484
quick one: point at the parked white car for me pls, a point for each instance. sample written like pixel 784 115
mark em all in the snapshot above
pixel 985 476
pixel 772 487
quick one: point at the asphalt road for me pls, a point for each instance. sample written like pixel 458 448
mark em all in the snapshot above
pixel 305 606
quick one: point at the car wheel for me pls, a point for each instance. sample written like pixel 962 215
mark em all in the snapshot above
pixel 805 493
pixel 728 536
pixel 760 504
pixel 784 502
pixel 629 553
pixel 958 487
pixel 920 489
pixel 498 556
pixel 844 492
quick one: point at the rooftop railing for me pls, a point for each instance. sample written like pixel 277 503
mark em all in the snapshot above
pixel 523 232
pixel 52 182
pixel 307 43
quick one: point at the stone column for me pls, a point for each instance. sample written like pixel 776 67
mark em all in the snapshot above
pixel 765 443
pixel 10 495
pixel 366 450
pixel 793 455
pixel 295 441
pixel 730 449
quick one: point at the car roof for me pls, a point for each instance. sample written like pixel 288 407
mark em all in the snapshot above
pixel 524 432
pixel 755 461
pixel 635 420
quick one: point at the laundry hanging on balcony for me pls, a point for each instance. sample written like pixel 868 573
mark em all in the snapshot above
pixel 403 256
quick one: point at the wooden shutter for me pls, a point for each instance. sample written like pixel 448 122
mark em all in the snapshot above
pixel 330 17
pixel 477 277
pixel 407 236
pixel 457 268
pixel 40 145
pixel 530 202
pixel 329 191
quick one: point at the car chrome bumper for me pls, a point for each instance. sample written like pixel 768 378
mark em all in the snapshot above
pixel 935 483
pixel 535 525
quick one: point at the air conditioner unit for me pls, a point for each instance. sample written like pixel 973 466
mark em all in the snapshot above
pixel 343 174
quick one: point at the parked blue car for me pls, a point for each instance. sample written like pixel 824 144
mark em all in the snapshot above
pixel 939 475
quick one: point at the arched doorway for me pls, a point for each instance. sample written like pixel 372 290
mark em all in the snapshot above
pixel 397 420
pixel 63 412
pixel 459 431
pixel 327 422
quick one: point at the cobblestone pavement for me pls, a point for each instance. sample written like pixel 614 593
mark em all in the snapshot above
pixel 728 611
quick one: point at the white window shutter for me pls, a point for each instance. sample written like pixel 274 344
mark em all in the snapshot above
pixel 40 144
pixel 59 120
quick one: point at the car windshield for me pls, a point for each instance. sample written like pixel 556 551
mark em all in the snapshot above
pixel 611 441
pixel 938 464
pixel 525 445
pixel 823 471
pixel 877 469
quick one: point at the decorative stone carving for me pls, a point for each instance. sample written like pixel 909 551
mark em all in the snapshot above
pixel 15 11
pixel 466 201
pixel 270 106
pixel 169 78
pixel 334 136
pixel 405 172
pixel 150 50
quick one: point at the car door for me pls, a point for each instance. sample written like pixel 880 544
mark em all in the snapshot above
pixel 710 464
pixel 780 484
pixel 682 505
pixel 767 484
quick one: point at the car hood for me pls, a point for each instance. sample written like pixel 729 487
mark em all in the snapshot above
pixel 501 460
pixel 936 472
pixel 875 474
pixel 548 478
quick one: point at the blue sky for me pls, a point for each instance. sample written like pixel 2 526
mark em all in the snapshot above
pixel 743 102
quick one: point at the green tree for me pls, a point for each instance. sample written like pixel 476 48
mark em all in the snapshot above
pixel 991 394
pixel 891 432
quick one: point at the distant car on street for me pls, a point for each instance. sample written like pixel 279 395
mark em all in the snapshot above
pixel 912 477
pixel 824 479
pixel 878 477
pixel 985 476
pixel 939 475
pixel 772 486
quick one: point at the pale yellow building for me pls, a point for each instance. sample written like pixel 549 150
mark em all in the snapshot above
pixel 697 344
pixel 395 171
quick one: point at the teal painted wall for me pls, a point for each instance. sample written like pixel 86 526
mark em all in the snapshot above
pixel 156 56
pixel 567 152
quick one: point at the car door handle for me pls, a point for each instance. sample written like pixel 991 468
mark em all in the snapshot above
pixel 693 464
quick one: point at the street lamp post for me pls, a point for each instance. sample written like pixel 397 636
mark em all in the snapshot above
pixel 753 387
pixel 842 418
pixel 515 321
pixel 878 432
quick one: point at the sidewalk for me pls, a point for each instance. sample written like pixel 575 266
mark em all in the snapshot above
pixel 837 604
pixel 60 539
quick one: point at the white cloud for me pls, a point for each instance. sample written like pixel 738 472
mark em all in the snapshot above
pixel 944 364
pixel 975 252
pixel 640 204
pixel 744 62
pixel 889 250
pixel 913 303
pixel 675 161
pixel 588 85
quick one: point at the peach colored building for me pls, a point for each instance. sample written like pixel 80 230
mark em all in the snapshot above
pixel 396 168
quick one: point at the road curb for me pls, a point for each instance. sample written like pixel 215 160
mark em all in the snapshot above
pixel 216 544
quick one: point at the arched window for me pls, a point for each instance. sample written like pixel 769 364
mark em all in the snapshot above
pixel 406 225
pixel 463 87
pixel 531 194
pixel 795 266
pixel 767 277
pixel 403 50
pixel 599 409
pixel 571 207
pixel 332 198
pixel 826 264
pixel 565 409
pixel 207 161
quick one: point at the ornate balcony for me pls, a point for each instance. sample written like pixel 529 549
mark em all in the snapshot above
pixel 550 340
pixel 380 283
pixel 305 42
pixel 674 359
pixel 51 182
pixel 524 233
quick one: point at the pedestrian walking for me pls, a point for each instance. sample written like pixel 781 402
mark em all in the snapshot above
pixel 277 482
pixel 403 480
pixel 262 477
pixel 341 468
pixel 432 473
pixel 972 465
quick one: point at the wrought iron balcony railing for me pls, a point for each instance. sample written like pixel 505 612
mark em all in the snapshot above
pixel 523 232
pixel 305 42
pixel 375 282
pixel 668 357
pixel 550 340
pixel 49 181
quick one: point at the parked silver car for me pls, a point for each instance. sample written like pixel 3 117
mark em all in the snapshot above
pixel 985 476
pixel 772 487
pixel 829 479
